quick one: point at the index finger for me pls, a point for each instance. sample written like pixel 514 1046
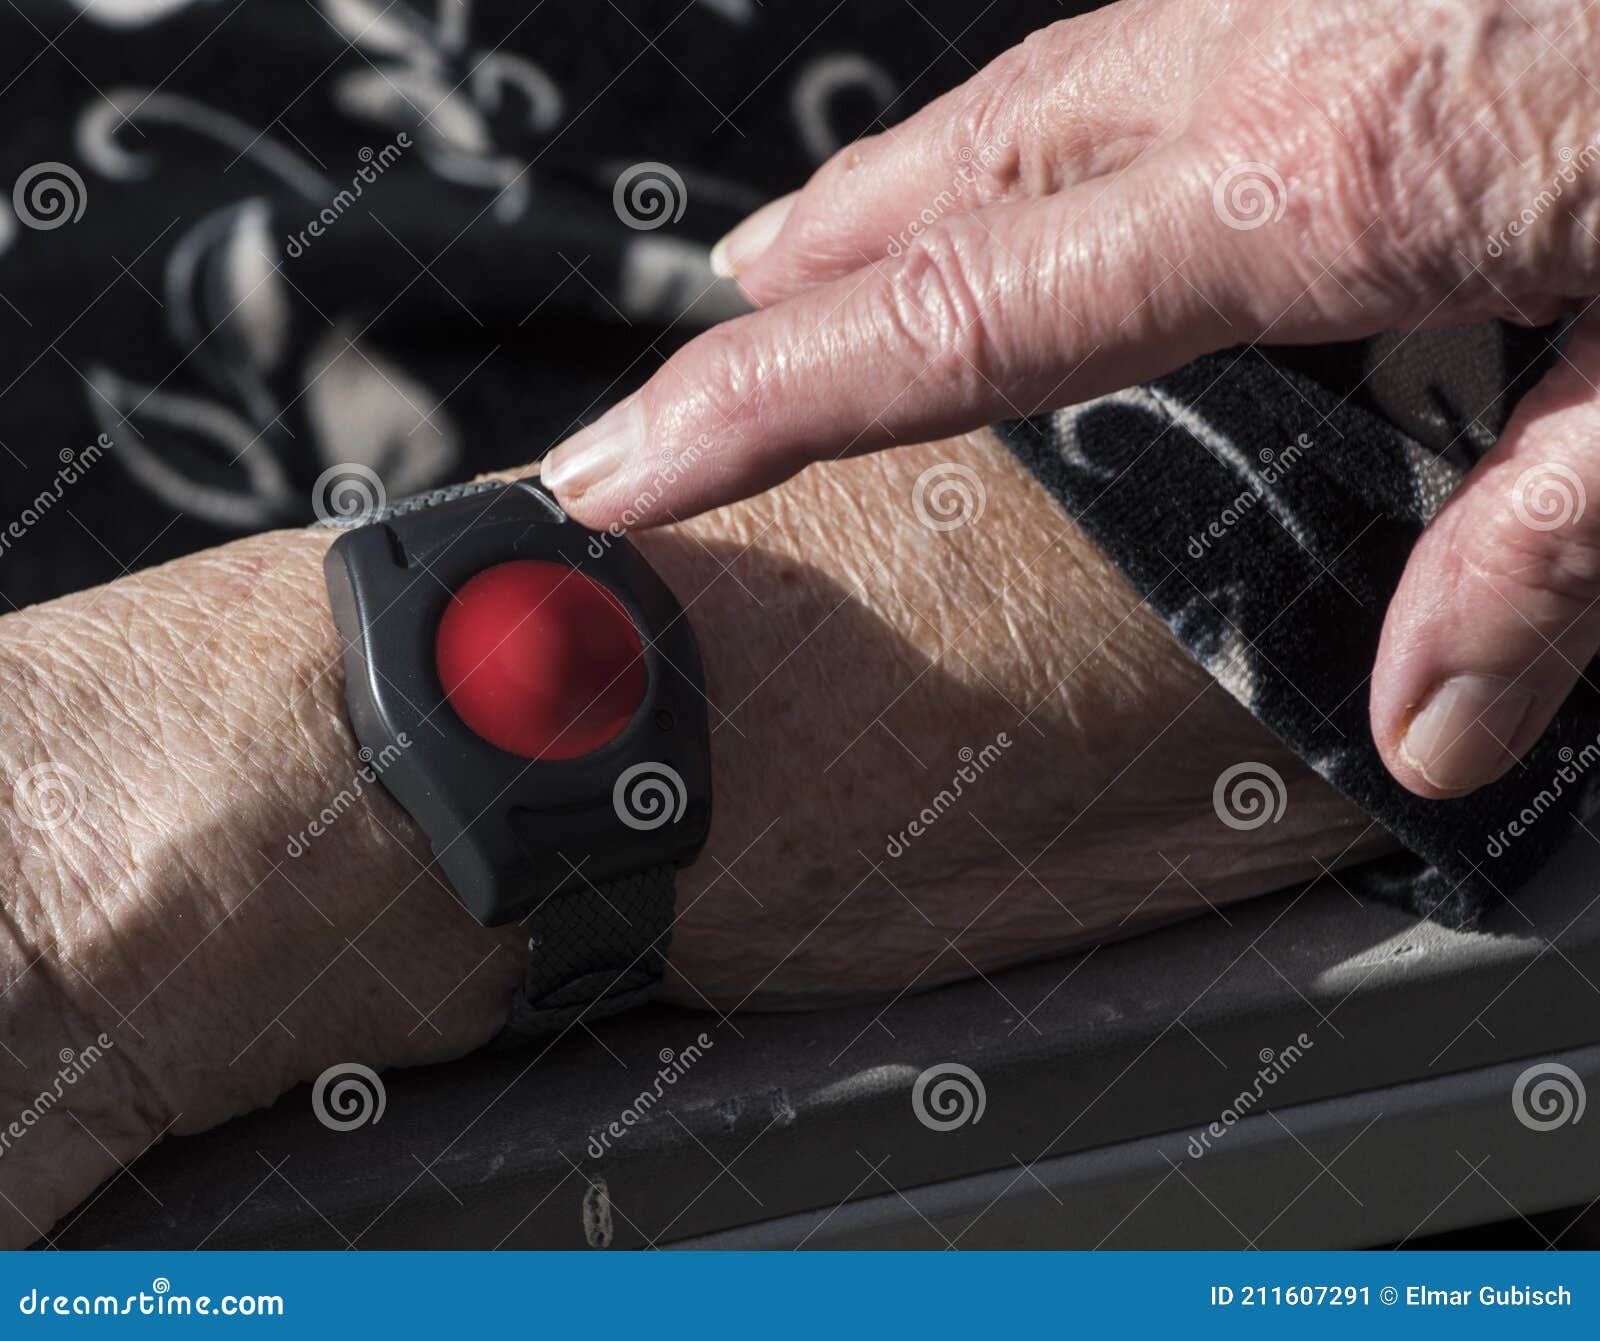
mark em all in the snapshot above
pixel 997 313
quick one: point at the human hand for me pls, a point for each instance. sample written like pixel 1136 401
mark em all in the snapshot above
pixel 167 737
pixel 1162 178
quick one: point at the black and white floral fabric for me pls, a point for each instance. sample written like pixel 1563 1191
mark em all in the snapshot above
pixel 253 242
pixel 1264 502
pixel 258 253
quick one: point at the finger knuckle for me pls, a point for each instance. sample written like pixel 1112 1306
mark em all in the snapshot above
pixel 1031 121
pixel 992 159
pixel 932 309
pixel 1542 555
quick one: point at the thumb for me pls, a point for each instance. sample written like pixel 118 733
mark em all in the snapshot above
pixel 1498 612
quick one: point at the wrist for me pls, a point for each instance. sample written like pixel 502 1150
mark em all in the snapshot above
pixel 203 870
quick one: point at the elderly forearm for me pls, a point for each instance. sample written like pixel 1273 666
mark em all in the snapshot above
pixel 202 872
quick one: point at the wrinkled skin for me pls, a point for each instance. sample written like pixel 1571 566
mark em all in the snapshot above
pixel 1162 178
pixel 851 653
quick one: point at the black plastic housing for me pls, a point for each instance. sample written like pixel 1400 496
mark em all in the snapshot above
pixel 508 832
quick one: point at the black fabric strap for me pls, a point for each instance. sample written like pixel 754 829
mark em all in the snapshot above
pixel 596 951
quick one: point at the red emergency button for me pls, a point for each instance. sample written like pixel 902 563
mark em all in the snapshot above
pixel 540 659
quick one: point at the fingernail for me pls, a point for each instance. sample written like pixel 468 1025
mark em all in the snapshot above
pixel 1462 737
pixel 740 249
pixel 593 453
